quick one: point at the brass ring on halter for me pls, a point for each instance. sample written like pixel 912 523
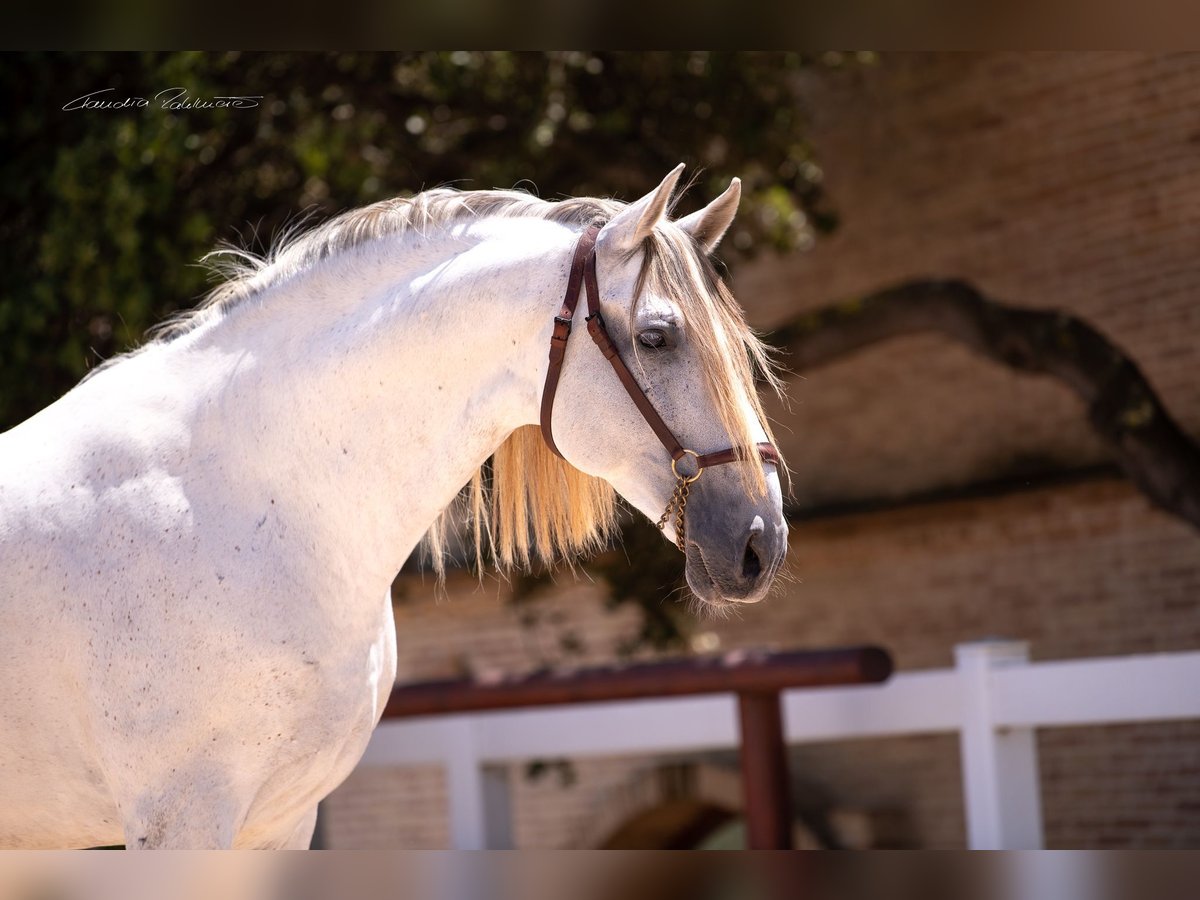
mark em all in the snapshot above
pixel 687 479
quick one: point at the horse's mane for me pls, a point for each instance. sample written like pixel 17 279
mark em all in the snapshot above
pixel 526 503
pixel 247 274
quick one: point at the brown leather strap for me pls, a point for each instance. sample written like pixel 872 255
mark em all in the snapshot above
pixel 562 331
pixel 595 327
pixel 766 452
pixel 583 273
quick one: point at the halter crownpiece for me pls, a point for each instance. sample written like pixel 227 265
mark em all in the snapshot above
pixel 583 274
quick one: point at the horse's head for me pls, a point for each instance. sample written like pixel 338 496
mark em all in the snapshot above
pixel 679 331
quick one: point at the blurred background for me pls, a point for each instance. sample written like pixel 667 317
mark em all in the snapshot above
pixel 980 269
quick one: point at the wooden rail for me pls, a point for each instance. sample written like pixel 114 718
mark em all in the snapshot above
pixel 757 678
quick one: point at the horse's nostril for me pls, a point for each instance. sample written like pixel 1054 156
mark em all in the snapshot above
pixel 751 564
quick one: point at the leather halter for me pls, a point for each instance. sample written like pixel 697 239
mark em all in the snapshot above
pixel 583 274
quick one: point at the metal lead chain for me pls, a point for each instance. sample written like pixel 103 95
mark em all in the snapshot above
pixel 678 501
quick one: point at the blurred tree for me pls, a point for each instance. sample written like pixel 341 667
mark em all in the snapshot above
pixel 106 211
pixel 1154 451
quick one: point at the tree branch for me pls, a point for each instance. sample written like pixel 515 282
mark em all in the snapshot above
pixel 1156 454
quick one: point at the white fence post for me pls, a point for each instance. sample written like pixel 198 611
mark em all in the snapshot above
pixel 1001 789
pixel 464 787
pixel 478 796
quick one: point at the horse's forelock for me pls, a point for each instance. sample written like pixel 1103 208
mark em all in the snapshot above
pixel 732 356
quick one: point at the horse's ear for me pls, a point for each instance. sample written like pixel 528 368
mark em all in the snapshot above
pixel 634 223
pixel 709 225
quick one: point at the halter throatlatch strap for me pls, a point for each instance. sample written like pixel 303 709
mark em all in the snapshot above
pixel 583 275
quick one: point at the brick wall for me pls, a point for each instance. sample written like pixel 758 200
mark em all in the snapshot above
pixel 382 808
pixel 1051 181
pixel 469 628
pixel 1083 569
pixel 1122 785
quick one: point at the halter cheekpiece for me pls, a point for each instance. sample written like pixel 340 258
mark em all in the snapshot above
pixel 583 274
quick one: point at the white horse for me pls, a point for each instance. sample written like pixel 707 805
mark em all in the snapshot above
pixel 197 542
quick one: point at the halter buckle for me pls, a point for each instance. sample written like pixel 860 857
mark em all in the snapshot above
pixel 562 329
pixel 687 479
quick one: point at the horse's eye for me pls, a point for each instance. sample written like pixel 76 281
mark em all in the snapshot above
pixel 653 338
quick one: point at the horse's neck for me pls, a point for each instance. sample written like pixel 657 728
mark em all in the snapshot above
pixel 371 388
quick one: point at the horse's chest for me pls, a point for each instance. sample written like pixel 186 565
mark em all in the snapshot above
pixel 338 708
pixel 283 701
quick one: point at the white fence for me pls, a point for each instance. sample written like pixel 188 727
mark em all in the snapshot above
pixel 993 697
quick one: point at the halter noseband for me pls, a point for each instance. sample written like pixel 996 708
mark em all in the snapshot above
pixel 583 273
